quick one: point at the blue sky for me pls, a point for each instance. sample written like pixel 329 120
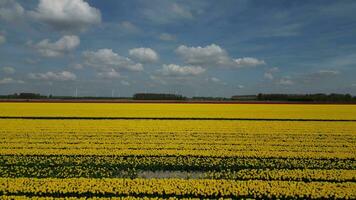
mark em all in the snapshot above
pixel 194 48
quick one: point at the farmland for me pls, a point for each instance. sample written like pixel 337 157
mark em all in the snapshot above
pixel 157 110
pixel 159 151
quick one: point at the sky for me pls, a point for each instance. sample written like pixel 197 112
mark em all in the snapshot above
pixel 194 48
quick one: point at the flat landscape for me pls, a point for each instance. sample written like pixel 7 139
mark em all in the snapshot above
pixel 175 151
pixel 177 99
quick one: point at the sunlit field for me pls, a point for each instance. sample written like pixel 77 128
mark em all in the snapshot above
pixel 230 154
pixel 159 110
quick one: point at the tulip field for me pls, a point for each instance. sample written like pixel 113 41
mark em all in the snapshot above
pixel 177 151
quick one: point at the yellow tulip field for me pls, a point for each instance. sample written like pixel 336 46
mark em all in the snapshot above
pixel 177 151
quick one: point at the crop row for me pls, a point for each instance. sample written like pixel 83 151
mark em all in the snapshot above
pixel 185 163
pixel 178 127
pixel 204 188
pixel 243 139
pixel 283 111
pixel 207 147
pixel 11 197
pixel 305 175
pixel 174 152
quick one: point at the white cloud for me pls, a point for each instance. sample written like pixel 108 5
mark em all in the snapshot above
pixel 209 55
pixel 8 70
pixel 2 39
pixel 240 86
pixel 327 72
pixel 273 69
pixel 10 81
pixel 53 76
pixel 285 81
pixel 157 78
pixel 320 75
pixel 144 55
pixel 106 60
pixel 168 12
pixel 32 60
pixel 129 27
pixel 167 37
pixel 269 74
pixel 306 78
pixel 248 62
pixel 10 10
pixel 110 74
pixel 123 82
pixel 214 79
pixel 176 70
pixel 181 11
pixel 59 48
pixel 343 61
pixel 214 56
pixel 67 15
pixel 77 66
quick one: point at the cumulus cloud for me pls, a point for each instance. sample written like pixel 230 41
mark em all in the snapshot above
pixel 168 12
pixel 285 81
pixel 327 72
pixel 32 60
pixel 2 39
pixel 181 11
pixel 107 60
pixel 77 66
pixel 215 80
pixel 8 70
pixel 209 55
pixel 215 56
pixel 66 15
pixel 320 75
pixel 53 76
pixel 248 62
pixel 305 78
pixel 167 37
pixel 10 81
pixel 110 74
pixel 144 55
pixel 129 27
pixel 269 74
pixel 59 48
pixel 126 83
pixel 176 70
pixel 10 10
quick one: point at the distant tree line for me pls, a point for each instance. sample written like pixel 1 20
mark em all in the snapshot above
pixel 162 96
pixel 307 97
pixel 157 96
pixel 23 96
pixel 211 99
pixel 244 97
pixel 39 96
